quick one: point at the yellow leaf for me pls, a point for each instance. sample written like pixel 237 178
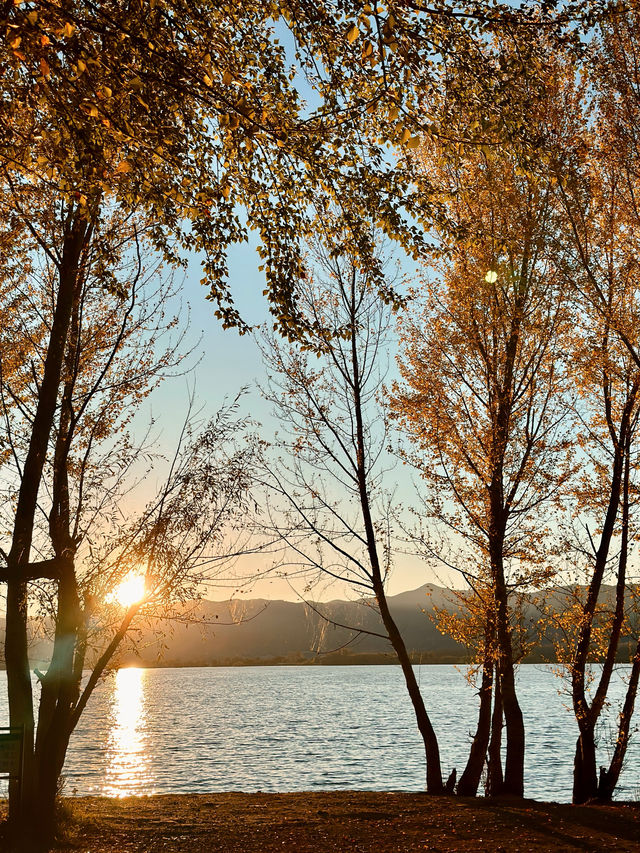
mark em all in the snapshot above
pixel 352 33
pixel 227 78
pixel 81 66
pixel 44 68
pixel 122 167
pixel 68 29
pixel 32 17
pixel 15 44
pixel 207 80
pixel 93 111
pixel 413 142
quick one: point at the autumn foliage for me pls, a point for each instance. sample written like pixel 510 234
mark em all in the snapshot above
pixel 496 146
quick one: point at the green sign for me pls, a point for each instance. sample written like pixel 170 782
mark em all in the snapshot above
pixel 11 752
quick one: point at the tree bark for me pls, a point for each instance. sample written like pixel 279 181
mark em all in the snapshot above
pixel 431 748
pixel 494 771
pixel 16 646
pixel 470 779
pixel 609 777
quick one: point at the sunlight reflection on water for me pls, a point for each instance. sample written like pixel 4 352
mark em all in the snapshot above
pixel 127 770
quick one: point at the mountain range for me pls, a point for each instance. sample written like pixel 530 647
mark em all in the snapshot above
pixel 261 631
pixel 265 631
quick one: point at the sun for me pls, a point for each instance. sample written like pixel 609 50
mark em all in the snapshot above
pixel 130 591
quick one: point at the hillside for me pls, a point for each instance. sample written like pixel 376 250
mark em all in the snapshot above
pixel 259 630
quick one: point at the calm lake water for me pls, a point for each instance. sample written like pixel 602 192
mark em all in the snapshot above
pixel 303 728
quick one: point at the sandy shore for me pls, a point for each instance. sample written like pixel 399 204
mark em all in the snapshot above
pixel 337 822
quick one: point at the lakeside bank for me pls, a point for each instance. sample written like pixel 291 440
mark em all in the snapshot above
pixel 339 822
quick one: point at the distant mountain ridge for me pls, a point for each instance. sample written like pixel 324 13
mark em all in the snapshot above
pixel 261 631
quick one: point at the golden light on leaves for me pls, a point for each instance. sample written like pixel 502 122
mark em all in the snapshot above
pixel 123 167
pixel 491 277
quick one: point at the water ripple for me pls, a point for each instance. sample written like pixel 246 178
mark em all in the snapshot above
pixel 303 728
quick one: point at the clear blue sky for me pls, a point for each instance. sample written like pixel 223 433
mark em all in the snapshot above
pixel 228 362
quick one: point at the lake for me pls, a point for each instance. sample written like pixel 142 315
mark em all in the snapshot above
pixel 149 731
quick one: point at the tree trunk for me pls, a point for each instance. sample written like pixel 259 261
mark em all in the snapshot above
pixel 432 751
pixel 20 697
pixel 60 690
pixel 514 765
pixel 495 779
pixel 609 777
pixel 585 780
pixel 16 651
pixel 470 779
pixel 586 785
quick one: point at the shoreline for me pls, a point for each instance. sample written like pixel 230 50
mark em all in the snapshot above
pixel 358 660
pixel 339 822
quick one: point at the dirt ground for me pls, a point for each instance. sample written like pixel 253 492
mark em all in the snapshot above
pixel 337 822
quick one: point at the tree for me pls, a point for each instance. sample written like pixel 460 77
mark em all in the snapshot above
pixel 327 502
pixel 85 547
pixel 185 112
pixel 194 109
pixel 597 185
pixel 106 107
pixel 593 624
pixel 478 401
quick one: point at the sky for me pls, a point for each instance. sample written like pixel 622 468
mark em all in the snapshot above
pixel 227 362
